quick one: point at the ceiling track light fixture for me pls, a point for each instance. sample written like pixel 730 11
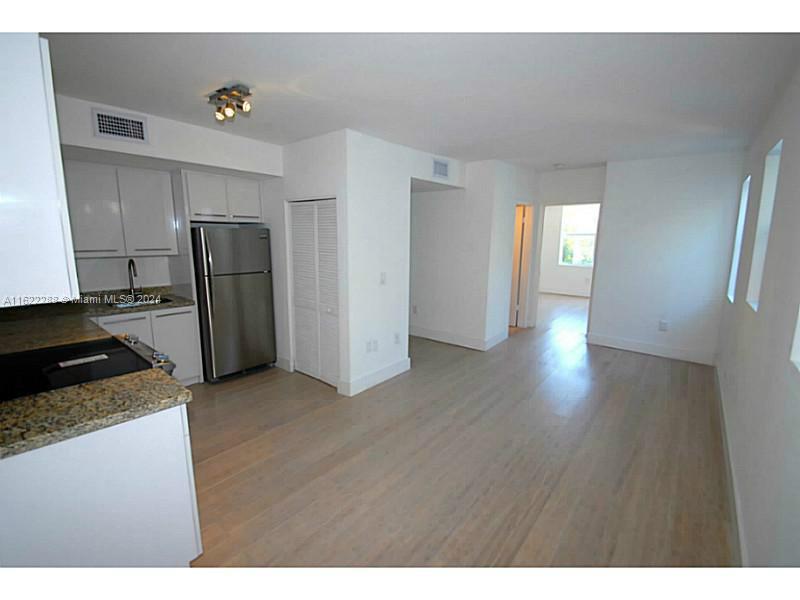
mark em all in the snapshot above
pixel 229 100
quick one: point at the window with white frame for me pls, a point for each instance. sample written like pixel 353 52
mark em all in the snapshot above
pixel 737 242
pixel 578 233
pixel 769 187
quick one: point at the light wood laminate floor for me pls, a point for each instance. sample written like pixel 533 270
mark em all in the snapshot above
pixel 541 451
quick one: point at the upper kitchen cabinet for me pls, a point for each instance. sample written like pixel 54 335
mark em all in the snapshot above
pixel 208 200
pixel 244 199
pixel 222 198
pixel 94 209
pixel 148 213
pixel 120 211
pixel 36 256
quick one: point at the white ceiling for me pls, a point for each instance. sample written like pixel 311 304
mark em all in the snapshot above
pixel 530 98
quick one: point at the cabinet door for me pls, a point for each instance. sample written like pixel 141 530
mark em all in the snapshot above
pixel 244 200
pixel 207 196
pixel 94 209
pixel 148 214
pixel 36 256
pixel 328 285
pixel 304 288
pixel 175 334
pixel 134 324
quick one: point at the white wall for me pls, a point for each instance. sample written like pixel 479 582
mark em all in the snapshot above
pixel 378 224
pixel 371 180
pixel 170 140
pixel 462 253
pixel 556 278
pixel 662 254
pixel 112 273
pixel 760 386
pixel 571 186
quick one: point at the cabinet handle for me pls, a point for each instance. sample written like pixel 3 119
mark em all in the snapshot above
pixel 209 214
pixel 183 312
pixel 246 216
pixel 101 250
pixel 150 249
pixel 126 320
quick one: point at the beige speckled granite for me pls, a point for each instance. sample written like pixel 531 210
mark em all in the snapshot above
pixel 32 334
pixel 45 325
pixel 42 419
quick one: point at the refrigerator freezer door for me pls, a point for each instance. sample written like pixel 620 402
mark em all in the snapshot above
pixel 240 312
pixel 237 250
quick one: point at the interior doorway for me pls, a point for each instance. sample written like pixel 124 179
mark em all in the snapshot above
pixel 566 264
pixel 523 235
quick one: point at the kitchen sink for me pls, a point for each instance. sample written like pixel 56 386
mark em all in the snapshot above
pixel 140 303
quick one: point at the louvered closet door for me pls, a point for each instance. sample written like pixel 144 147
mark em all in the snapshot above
pixel 328 292
pixel 304 273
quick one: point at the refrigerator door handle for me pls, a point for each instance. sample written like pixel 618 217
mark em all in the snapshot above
pixel 209 293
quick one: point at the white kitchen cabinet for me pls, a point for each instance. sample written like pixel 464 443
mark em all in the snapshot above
pixel 315 289
pixel 175 333
pixel 94 209
pixel 172 331
pixel 36 255
pixel 207 196
pixel 137 323
pixel 123 496
pixel 244 199
pixel 222 198
pixel 148 213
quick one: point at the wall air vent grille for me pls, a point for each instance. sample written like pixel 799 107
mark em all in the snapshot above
pixel 119 126
pixel 441 168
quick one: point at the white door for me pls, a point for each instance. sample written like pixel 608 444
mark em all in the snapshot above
pixel 328 286
pixel 94 209
pixel 304 288
pixel 244 200
pixel 207 196
pixel 148 214
pixel 316 289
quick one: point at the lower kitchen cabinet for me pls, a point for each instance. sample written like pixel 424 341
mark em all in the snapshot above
pixel 175 333
pixel 172 331
pixel 137 324
pixel 123 496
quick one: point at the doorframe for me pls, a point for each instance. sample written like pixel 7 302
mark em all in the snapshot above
pixel 537 259
pixel 526 255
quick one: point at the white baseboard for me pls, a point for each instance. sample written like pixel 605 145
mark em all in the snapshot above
pixel 733 489
pixel 494 340
pixel 284 363
pixel 456 339
pixel 351 388
pixel 688 355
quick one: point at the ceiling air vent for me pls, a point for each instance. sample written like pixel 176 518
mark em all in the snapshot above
pixel 441 168
pixel 120 126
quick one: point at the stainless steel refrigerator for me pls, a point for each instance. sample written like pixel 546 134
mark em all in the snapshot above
pixel 234 287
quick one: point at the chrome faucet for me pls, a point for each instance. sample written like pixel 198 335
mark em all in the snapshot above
pixel 131 274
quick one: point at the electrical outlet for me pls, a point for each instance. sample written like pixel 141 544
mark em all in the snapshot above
pixel 374 345
pixel 396 338
pixel 369 346
pixel 663 325
pixel 383 277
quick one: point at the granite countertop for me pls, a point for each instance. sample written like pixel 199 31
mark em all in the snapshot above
pixel 45 325
pixel 42 419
